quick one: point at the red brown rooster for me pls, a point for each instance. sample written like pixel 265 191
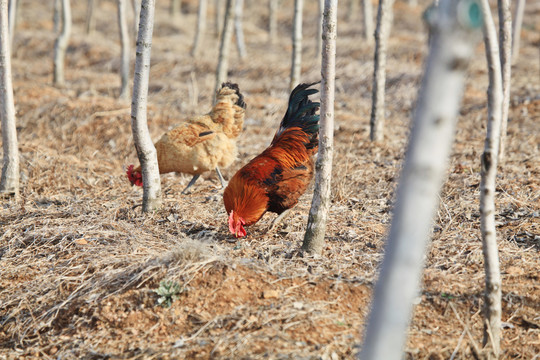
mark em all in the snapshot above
pixel 275 180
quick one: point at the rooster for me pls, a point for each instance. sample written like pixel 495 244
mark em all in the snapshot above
pixel 275 180
pixel 201 143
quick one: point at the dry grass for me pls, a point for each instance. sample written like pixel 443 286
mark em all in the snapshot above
pixel 79 266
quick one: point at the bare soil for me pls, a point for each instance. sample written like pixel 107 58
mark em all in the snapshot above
pixel 79 265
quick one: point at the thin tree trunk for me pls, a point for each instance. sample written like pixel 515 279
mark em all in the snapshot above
pixel 136 15
pixel 57 8
pixel 218 15
pixel 505 48
pixel 492 297
pixel 175 8
pixel 454 40
pixel 320 29
pixel 124 56
pixel 272 20
pixel 296 65
pixel 9 182
pixel 318 215
pixel 226 34
pixel 516 32
pixel 61 44
pixel 239 29
pixel 201 27
pixel 384 22
pixel 13 5
pixel 367 12
pixel 141 136
pixel 90 17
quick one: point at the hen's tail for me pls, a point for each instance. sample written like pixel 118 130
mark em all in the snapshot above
pixel 234 87
pixel 301 113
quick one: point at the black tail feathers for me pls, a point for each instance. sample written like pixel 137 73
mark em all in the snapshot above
pixel 240 102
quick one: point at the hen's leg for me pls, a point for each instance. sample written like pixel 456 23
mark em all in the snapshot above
pixel 221 180
pixel 195 177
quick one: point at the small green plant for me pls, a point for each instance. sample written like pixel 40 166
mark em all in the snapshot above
pixel 168 291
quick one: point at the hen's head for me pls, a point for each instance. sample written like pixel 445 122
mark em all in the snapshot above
pixel 135 177
pixel 236 225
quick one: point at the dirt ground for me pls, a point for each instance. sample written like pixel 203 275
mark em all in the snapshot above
pixel 79 266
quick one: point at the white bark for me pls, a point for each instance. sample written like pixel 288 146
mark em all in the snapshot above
pixel 136 4
pixel 61 44
pixel 124 43
pixel 239 29
pixel 454 41
pixel 9 182
pixel 318 215
pixel 13 5
pixel 223 62
pixel 272 20
pixel 296 65
pixel 505 48
pixel 201 27
pixel 57 7
pixel 90 17
pixel 141 136
pixel 492 297
pixel 218 16
pixel 384 22
pixel 320 29
pixel 367 13
pixel 516 31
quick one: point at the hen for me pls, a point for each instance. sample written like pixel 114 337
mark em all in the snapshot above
pixel 275 180
pixel 201 143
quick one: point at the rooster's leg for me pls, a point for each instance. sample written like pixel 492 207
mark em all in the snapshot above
pixel 221 180
pixel 279 219
pixel 195 177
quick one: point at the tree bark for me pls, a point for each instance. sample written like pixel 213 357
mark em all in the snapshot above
pixel 57 7
pixel 90 17
pixel 492 296
pixel 61 44
pixel 454 40
pixel 516 32
pixel 124 43
pixel 318 215
pixel 505 48
pixel 239 29
pixel 141 136
pixel 272 20
pixel 201 27
pixel 13 5
pixel 367 12
pixel 296 65
pixel 226 34
pixel 9 182
pixel 384 22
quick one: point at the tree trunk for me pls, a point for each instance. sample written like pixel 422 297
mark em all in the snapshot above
pixel 201 27
pixel 505 48
pixel 516 32
pixel 367 12
pixel 175 8
pixel 141 136
pixel 90 17
pixel 492 297
pixel 272 20
pixel 136 15
pixel 124 42
pixel 218 15
pixel 453 45
pixel 296 66
pixel 239 29
pixel 9 182
pixel 316 226
pixel 384 22
pixel 57 7
pixel 226 34
pixel 13 5
pixel 320 29
pixel 61 44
